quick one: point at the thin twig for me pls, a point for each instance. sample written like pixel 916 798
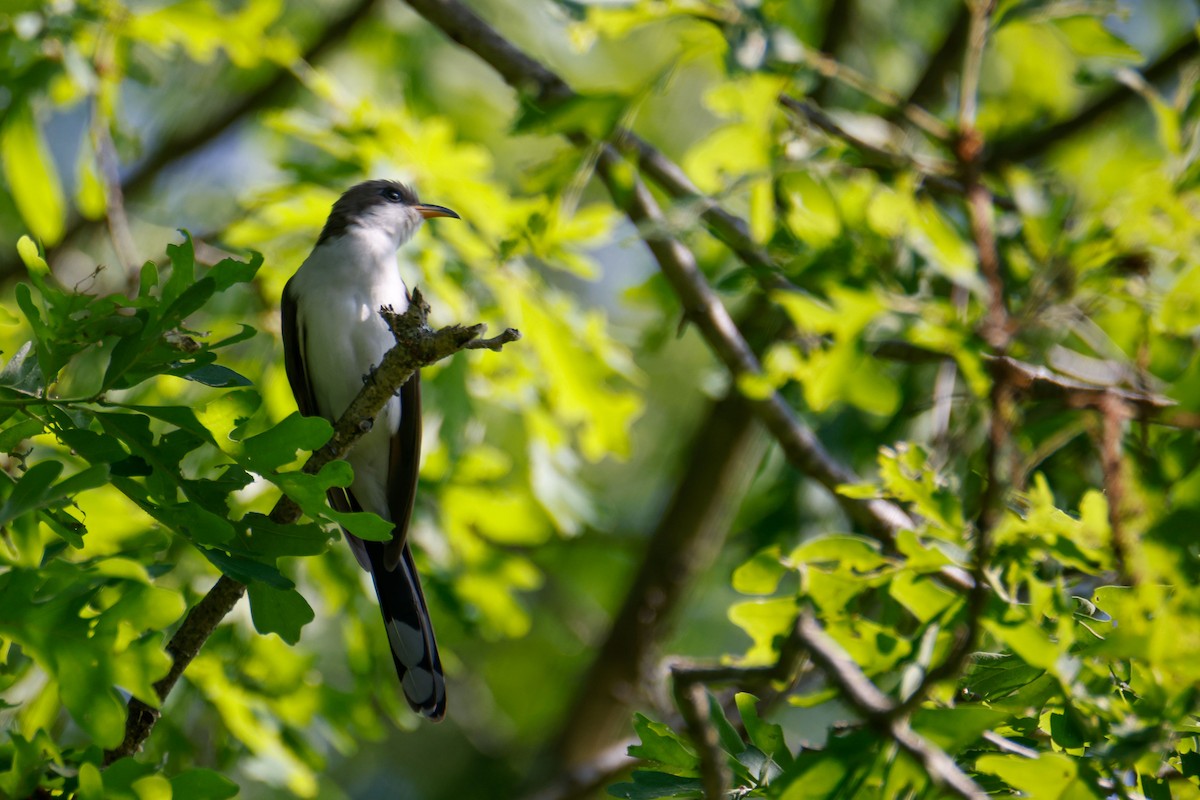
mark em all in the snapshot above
pixel 416 346
pixel 918 117
pixel 692 702
pixel 114 213
pixel 687 686
pixel 1113 414
pixel 995 331
pixel 702 307
pixel 936 174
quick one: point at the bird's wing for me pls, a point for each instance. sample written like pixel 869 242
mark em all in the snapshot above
pixel 293 353
pixel 403 467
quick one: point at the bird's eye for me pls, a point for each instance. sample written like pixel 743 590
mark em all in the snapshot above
pixel 393 195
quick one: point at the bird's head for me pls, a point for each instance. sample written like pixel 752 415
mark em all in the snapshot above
pixel 382 206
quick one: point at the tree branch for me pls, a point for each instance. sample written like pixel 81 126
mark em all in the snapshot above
pixel 807 638
pixel 931 85
pixel 878 710
pixel 416 346
pixel 1028 145
pixel 721 459
pixel 701 304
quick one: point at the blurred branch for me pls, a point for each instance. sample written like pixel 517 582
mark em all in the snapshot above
pixel 211 124
pixel 416 346
pixel 114 199
pixel 585 780
pixel 921 119
pixel 1027 145
pixel 720 462
pixel 692 702
pixel 930 87
pixel 701 304
pixel 194 139
pixel 936 174
pixel 838 23
pixel 527 75
pixel 996 332
pixel 1113 414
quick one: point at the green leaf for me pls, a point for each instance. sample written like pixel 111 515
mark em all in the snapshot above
pixel 653 785
pixel 22 371
pixel 230 271
pixel 31 174
pixel 247 570
pixel 767 737
pixel 731 741
pixel 953 729
pixel 202 784
pixel 27 249
pixel 661 746
pixel 18 432
pixel 91 783
pixel 765 621
pixel 267 539
pixel 215 375
pixel 280 611
pixel 1047 776
pixel 762 573
pixel 596 115
pixel 1088 37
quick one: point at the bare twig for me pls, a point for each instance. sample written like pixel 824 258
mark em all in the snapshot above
pixel 995 330
pixel 935 174
pixel 692 701
pixel 1114 413
pixel 416 346
pixel 110 170
pixel 687 684
pixel 721 460
pixel 496 343
pixel 839 21
pixel 807 638
pixel 915 115
pixel 702 306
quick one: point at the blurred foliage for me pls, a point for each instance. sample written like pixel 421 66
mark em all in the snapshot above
pixel 146 427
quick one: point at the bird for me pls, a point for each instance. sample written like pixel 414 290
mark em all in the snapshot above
pixel 333 337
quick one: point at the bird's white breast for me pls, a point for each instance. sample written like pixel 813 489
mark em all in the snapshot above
pixel 339 290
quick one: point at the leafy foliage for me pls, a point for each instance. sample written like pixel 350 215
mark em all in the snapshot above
pixel 146 428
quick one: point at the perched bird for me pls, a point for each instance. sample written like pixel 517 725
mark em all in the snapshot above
pixel 333 336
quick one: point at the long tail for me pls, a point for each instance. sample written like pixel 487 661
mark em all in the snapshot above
pixel 410 632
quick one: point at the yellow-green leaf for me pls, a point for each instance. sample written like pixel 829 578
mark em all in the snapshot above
pixel 31 174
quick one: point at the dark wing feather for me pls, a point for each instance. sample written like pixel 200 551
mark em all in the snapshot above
pixel 293 354
pixel 403 467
